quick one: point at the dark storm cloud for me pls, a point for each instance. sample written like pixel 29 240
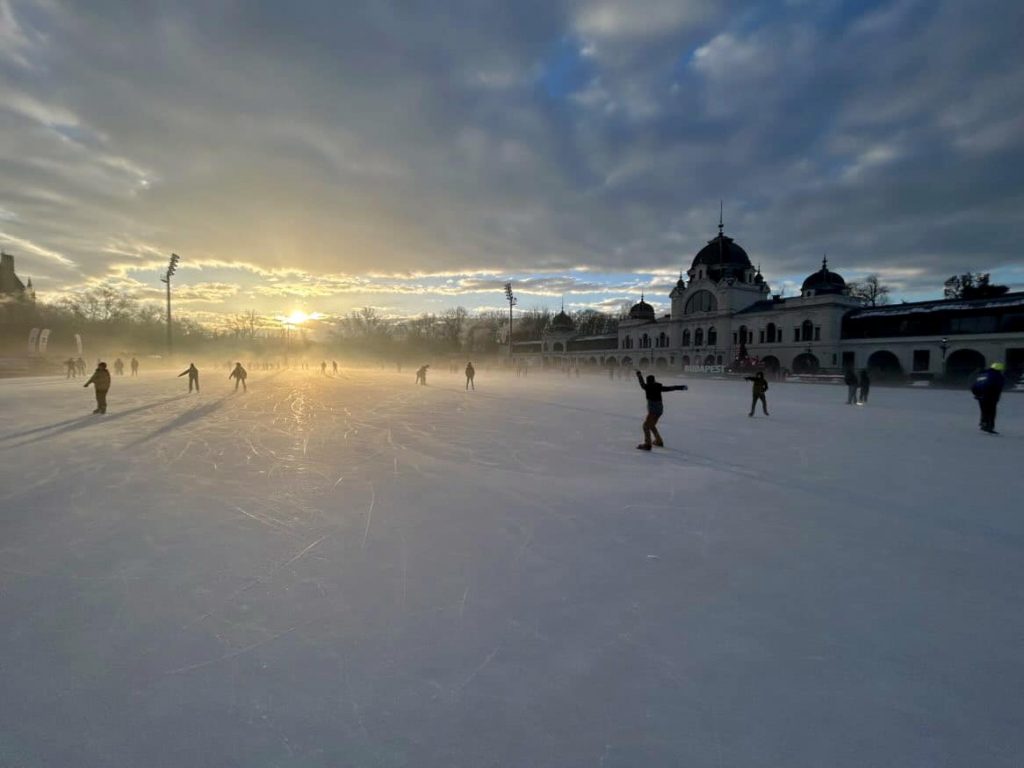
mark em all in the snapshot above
pixel 357 138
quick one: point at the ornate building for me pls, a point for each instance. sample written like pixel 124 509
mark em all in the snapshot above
pixel 723 312
pixel 11 287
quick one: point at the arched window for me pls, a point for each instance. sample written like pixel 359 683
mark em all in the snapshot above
pixel 701 301
pixel 770 333
pixel 686 337
pixel 712 336
pixel 698 337
pixel 807 330
pixel 662 339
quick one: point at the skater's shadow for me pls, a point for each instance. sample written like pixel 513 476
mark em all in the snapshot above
pixel 181 420
pixel 70 425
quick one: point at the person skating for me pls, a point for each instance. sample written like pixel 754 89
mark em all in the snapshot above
pixel 72 367
pixel 323 367
pixel 135 367
pixel 193 376
pixel 851 386
pixel 119 367
pixel 865 386
pixel 655 407
pixel 987 388
pixel 760 386
pixel 239 374
pixel 421 375
pixel 470 374
pixel 334 364
pixel 101 380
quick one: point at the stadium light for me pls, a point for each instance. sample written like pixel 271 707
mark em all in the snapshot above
pixel 172 267
pixel 512 301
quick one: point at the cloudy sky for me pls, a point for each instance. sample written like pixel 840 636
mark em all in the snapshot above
pixel 412 156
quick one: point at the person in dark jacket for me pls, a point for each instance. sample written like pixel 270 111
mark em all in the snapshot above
pixel 193 376
pixel 655 407
pixel 135 367
pixel 101 380
pixel 865 385
pixel 119 367
pixel 987 388
pixel 851 386
pixel 470 375
pixel 239 374
pixel 421 375
pixel 72 367
pixel 760 386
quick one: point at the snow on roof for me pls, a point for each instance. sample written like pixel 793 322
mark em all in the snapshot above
pixel 943 305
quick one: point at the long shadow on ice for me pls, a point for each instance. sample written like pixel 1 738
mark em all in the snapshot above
pixel 70 425
pixel 181 420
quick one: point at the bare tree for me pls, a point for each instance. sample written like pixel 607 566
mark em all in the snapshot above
pixel 871 290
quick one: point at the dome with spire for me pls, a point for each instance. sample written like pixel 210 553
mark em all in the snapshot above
pixel 562 321
pixel 823 282
pixel 722 257
pixel 641 310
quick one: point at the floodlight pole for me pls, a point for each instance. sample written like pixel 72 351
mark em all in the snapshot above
pixel 511 303
pixel 172 265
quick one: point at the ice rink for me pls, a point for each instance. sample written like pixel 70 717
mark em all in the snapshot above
pixel 356 571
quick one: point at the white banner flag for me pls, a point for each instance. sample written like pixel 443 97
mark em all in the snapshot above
pixel 44 339
pixel 33 342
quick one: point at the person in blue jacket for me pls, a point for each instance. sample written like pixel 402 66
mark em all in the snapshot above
pixel 987 388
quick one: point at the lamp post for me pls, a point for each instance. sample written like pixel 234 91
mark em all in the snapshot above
pixel 172 266
pixel 944 345
pixel 511 303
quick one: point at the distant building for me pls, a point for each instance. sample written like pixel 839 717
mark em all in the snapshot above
pixel 11 287
pixel 724 315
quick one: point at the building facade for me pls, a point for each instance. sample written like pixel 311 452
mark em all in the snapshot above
pixel 723 315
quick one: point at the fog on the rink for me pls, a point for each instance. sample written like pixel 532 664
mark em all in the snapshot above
pixel 348 568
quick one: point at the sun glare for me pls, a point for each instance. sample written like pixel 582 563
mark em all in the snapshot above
pixel 298 317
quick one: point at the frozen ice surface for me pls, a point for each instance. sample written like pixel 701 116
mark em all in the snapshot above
pixel 358 571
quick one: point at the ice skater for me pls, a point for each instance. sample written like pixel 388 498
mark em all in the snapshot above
pixel 119 367
pixel 655 407
pixel 986 390
pixel 323 367
pixel 193 376
pixel 72 367
pixel 760 386
pixel 865 386
pixel 135 367
pixel 470 375
pixel 850 378
pixel 334 364
pixel 100 379
pixel 421 375
pixel 239 374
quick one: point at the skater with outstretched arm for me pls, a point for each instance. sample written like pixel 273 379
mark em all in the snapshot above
pixel 655 407
pixel 239 374
pixel 760 386
pixel 193 376
pixel 986 390
pixel 101 380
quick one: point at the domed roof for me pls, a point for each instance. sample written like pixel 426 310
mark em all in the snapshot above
pixel 562 322
pixel 641 310
pixel 824 281
pixel 722 253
